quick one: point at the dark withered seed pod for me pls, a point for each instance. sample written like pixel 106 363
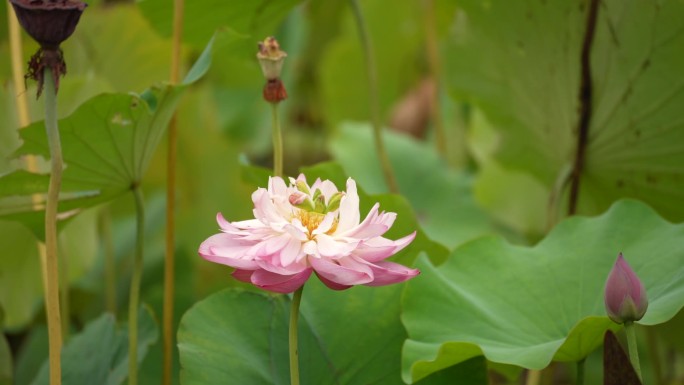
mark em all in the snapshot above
pixel 49 22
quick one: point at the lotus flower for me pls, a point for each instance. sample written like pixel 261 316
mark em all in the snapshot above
pixel 625 296
pixel 299 229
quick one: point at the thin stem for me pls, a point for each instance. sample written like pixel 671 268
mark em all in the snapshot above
pixel 17 67
pixel 533 377
pixel 632 347
pixel 580 371
pixel 277 142
pixel 436 72
pixel 170 246
pixel 52 299
pixel 294 350
pixel 654 355
pixel 109 263
pixel 134 300
pixel 371 71
pixel 65 303
pixel 24 120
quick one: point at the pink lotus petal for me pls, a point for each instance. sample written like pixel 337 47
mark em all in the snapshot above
pixel 296 230
pixel 280 270
pixel 290 252
pixel 349 208
pixel 387 273
pixel 226 250
pixel 325 225
pixel 275 244
pixel 328 188
pixel 331 284
pixel 330 248
pixel 378 249
pixel 248 224
pixel 265 210
pixel 280 283
pixel 243 275
pixel 353 274
pixel 277 186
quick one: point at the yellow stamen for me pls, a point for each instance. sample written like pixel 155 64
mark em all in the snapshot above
pixel 311 220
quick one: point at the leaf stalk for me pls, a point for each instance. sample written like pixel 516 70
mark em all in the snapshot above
pixel 170 241
pixel 134 299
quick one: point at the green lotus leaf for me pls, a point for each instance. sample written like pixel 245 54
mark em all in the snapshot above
pixel 527 306
pixel 519 62
pixel 99 354
pixel 345 337
pixel 442 198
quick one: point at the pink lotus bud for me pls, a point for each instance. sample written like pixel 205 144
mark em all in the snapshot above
pixel 624 295
pixel 297 198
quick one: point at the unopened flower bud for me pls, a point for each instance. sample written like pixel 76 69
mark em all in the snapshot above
pixel 334 202
pixel 303 187
pixel 271 58
pixel 624 295
pixel 300 200
pixel 319 203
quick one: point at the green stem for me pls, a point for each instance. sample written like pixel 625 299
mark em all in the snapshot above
pixel 533 377
pixel 109 262
pixel 170 244
pixel 134 300
pixel 580 371
pixel 374 98
pixel 432 49
pixel 65 302
pixel 277 142
pixel 654 355
pixel 53 316
pixel 294 352
pixel 632 347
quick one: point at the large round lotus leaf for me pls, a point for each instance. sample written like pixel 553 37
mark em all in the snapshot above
pixel 519 62
pixel 345 337
pixel 527 306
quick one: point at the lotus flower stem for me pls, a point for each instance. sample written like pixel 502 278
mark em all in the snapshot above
pixel 277 142
pixel 374 98
pixel 632 347
pixel 170 245
pixel 294 351
pixel 134 300
pixel 580 371
pixel 51 206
